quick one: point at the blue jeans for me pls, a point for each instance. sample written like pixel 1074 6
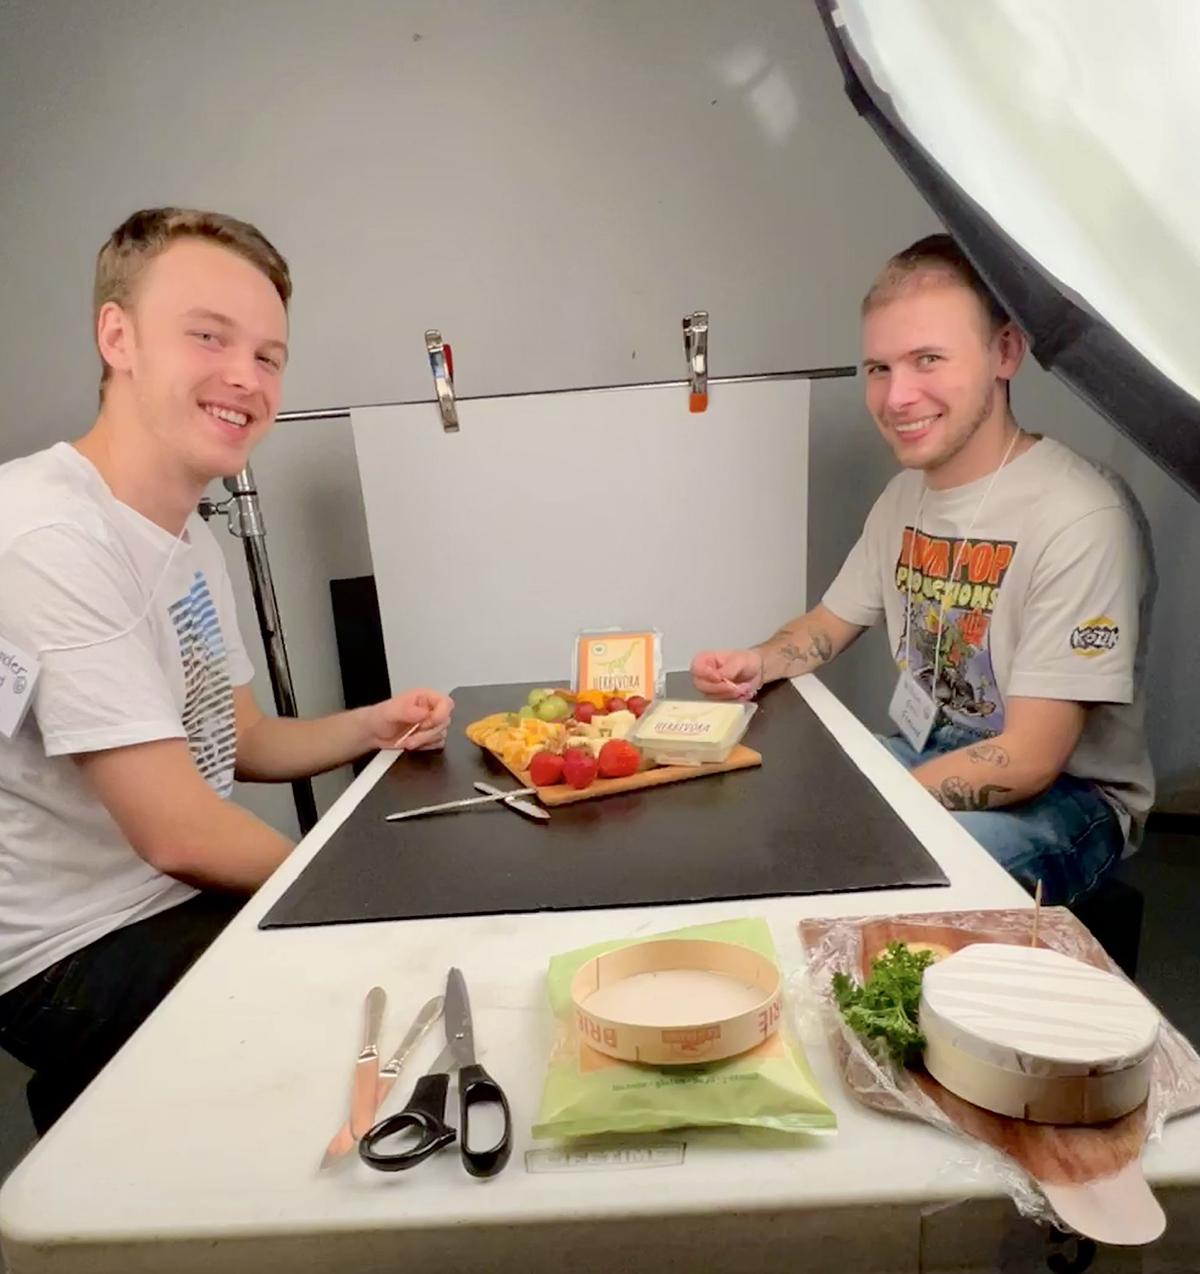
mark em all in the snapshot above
pixel 1068 837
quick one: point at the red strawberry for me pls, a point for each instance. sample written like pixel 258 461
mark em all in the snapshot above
pixel 579 767
pixel 618 759
pixel 545 769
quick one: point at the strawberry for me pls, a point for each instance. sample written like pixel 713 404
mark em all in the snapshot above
pixel 618 759
pixel 579 767
pixel 545 769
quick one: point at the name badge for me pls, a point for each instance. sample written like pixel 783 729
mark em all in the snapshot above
pixel 18 676
pixel 914 710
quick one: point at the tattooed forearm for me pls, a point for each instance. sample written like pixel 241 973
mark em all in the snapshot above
pixel 957 794
pixel 989 754
pixel 818 651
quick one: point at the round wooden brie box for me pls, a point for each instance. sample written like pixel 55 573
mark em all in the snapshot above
pixel 675 1001
pixel 1032 1033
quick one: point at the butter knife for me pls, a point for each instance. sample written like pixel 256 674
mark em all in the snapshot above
pixel 527 808
pixel 344 1140
pixel 495 795
pixel 366 1069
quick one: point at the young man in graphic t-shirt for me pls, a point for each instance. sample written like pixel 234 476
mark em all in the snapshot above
pixel 120 855
pixel 1014 579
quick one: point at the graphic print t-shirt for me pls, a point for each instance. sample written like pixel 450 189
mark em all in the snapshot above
pixel 1048 599
pixel 137 641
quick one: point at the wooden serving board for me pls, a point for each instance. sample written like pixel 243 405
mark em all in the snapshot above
pixel 741 758
pixel 1091 1175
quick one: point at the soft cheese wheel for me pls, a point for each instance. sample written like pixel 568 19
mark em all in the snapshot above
pixel 1029 1032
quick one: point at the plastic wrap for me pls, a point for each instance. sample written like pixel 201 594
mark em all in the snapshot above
pixel 840 945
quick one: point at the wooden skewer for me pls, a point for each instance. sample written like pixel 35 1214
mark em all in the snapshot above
pixel 1037 909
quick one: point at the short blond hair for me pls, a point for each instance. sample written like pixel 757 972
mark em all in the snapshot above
pixel 937 256
pixel 148 233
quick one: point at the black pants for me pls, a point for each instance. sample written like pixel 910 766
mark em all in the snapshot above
pixel 68 1021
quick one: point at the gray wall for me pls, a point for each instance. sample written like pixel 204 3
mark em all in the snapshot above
pixel 552 183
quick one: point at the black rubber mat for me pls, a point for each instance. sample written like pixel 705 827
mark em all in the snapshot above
pixel 808 821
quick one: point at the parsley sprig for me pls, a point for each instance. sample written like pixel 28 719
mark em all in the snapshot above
pixel 885 1006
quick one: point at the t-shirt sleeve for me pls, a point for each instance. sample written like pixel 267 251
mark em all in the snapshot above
pixel 856 594
pixel 73 602
pixel 1079 630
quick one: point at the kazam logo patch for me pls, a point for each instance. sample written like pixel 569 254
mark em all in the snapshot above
pixel 1094 636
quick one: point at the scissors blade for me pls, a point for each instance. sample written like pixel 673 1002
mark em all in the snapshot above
pixel 460 1035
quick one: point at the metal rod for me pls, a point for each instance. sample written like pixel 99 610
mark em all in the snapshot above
pixel 244 518
pixel 812 373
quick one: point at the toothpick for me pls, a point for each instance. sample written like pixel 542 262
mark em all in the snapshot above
pixel 1037 911
pixel 398 746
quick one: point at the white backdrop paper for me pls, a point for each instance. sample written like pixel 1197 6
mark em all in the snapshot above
pixel 550 513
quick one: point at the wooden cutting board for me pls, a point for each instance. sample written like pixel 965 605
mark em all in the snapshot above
pixel 741 758
pixel 1092 1175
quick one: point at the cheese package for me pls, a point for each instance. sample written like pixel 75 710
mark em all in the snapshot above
pixel 683 732
pixel 588 1092
pixel 620 663
pixel 1031 1033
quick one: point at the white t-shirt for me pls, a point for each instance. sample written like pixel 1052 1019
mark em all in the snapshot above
pixel 137 640
pixel 1051 601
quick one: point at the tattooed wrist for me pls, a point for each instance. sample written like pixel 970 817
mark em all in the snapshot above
pixel 797 658
pixel 957 794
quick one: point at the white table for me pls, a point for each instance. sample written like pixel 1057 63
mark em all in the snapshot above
pixel 197 1148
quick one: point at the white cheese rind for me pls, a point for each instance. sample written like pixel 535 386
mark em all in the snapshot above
pixel 1030 1032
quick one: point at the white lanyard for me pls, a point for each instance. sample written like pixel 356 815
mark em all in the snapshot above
pixel 950 583
pixel 124 632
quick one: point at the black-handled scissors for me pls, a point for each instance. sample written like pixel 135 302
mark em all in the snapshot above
pixel 425 1114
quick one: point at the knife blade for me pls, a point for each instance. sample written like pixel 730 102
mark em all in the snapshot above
pixel 389 1072
pixel 512 802
pixel 344 1140
pixel 496 795
pixel 366 1069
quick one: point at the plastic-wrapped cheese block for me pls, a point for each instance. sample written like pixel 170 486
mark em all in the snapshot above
pixel 1032 1033
pixel 680 732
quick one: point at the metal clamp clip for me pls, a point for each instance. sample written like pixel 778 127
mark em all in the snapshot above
pixel 695 347
pixel 441 362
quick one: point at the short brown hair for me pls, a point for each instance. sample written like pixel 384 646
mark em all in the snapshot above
pixel 144 235
pixel 936 254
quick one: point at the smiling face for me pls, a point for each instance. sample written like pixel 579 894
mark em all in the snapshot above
pixel 935 373
pixel 197 357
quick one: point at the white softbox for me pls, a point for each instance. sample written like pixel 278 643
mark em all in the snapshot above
pixel 1056 140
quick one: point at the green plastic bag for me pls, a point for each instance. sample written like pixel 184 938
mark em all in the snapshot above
pixel 586 1092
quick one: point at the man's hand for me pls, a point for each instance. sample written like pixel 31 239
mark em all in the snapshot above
pixel 389 721
pixel 728 674
pixel 800 646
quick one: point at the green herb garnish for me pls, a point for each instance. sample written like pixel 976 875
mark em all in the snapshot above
pixel 885 1006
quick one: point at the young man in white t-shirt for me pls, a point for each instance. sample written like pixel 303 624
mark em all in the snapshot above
pixel 120 855
pixel 1014 578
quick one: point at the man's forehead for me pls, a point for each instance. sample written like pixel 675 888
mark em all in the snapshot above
pixel 192 277
pixel 934 312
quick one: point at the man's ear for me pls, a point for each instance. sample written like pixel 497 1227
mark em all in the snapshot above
pixel 1012 346
pixel 115 337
